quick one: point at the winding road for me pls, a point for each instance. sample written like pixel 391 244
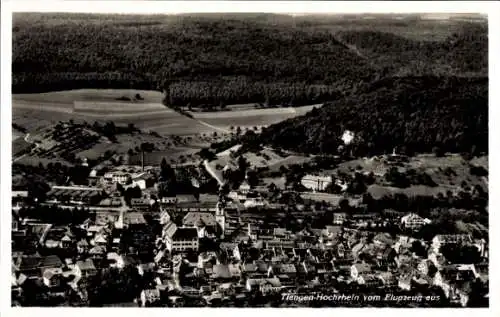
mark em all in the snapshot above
pixel 212 172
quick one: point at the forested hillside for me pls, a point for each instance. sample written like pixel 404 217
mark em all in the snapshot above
pixel 462 52
pixel 420 114
pixel 220 59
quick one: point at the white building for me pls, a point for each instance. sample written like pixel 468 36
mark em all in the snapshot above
pixel 168 200
pixel 236 195
pixel 339 218
pixel 220 217
pixel 164 217
pixel 119 177
pixel 446 239
pixel 143 180
pixel 245 186
pixel 253 202
pixel 181 239
pixel 414 221
pixel 315 182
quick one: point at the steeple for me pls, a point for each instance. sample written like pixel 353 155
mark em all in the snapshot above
pixel 245 185
pixel 220 216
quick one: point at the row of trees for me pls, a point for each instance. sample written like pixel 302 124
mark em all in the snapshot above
pixel 55 215
pixel 110 130
pixel 216 94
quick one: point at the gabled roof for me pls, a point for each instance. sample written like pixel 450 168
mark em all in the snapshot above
pixel 221 271
pixel 152 294
pixel 86 265
pixel 97 250
pixel 82 243
pixel 455 273
pixel 384 238
pixel 51 261
pixel 387 277
pixel 159 256
pixel 358 248
pixel 412 217
pixel 134 218
pixel 249 267
pixel 169 229
pixel 275 282
pixel 198 219
pixel 20 278
pixel 362 267
pixel 228 246
pixel 333 230
pixel 26 262
pixel 51 272
pixel 368 277
pixel 450 238
pixel 185 234
pixel 139 201
pixel 284 268
pixel 100 239
pixel 66 238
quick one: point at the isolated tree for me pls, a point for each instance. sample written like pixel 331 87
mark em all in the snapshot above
pixel 344 205
pixel 167 173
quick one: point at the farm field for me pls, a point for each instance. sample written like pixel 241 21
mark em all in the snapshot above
pixel 68 96
pixel 19 145
pixel 35 111
pixel 249 118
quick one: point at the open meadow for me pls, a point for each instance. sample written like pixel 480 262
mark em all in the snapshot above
pixel 249 118
pixel 34 111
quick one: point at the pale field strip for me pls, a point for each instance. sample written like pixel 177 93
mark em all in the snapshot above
pixel 115 110
pixel 253 112
pixel 90 94
pixel 163 126
pixel 116 106
pixel 41 106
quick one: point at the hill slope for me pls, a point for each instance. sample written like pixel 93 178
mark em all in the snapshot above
pixel 417 112
pixel 233 58
pixel 464 51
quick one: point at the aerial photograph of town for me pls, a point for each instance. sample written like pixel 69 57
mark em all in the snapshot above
pixel 249 160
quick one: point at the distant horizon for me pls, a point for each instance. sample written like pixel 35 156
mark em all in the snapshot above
pixel 424 15
pixel 291 8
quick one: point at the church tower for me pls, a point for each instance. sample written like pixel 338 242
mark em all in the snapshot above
pixel 220 217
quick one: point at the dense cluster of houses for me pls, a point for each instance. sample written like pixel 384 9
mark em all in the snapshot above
pixel 213 251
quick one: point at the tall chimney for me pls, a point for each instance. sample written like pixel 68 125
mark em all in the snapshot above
pixel 142 160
